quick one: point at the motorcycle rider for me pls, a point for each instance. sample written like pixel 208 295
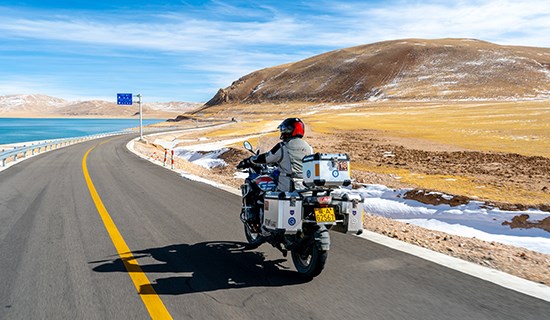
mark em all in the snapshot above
pixel 287 155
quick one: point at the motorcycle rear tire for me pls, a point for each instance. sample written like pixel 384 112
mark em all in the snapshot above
pixel 254 239
pixel 311 262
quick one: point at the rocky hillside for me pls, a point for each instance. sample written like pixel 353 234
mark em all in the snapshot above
pixel 411 69
pixel 42 105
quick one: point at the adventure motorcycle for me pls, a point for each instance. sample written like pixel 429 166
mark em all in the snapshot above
pixel 299 221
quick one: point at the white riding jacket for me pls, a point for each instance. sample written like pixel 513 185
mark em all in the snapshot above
pixel 288 157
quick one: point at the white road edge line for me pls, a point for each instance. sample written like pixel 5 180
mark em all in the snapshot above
pixel 500 278
pixel 497 277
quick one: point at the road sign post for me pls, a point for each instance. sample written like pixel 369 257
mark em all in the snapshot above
pixel 140 118
pixel 127 99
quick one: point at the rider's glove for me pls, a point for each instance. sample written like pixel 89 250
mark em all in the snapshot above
pixel 246 163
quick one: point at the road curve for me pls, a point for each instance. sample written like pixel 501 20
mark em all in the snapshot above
pixel 57 259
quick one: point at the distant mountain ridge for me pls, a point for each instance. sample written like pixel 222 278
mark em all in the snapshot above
pixel 38 104
pixel 410 69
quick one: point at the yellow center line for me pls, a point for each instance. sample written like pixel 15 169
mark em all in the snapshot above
pixel 152 301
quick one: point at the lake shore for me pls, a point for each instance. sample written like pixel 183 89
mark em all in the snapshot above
pixel 19 115
pixel 26 131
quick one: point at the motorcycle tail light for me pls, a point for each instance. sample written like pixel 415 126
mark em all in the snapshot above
pixel 324 200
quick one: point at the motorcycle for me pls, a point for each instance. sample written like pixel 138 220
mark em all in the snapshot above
pixel 299 221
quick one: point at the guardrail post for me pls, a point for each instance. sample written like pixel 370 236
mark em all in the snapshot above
pixel 4 162
pixel 15 157
pixel 165 153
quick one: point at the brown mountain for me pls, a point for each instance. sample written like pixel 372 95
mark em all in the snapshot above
pixel 410 69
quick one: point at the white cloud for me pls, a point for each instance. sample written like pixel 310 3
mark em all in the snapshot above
pixel 501 21
pixel 339 25
pixel 192 35
pixel 222 69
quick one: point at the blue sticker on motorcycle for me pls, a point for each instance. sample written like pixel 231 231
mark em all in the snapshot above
pixel 308 173
pixel 291 212
pixel 335 173
pixel 291 221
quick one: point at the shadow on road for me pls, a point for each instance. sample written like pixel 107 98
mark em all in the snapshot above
pixel 208 266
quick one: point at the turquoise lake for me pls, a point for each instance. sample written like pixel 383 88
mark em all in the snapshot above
pixel 14 130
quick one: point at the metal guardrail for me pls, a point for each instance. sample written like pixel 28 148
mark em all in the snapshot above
pixel 21 151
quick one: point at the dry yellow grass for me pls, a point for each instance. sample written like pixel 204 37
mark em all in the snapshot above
pixel 514 127
pixel 508 127
pixel 245 128
pixel 460 185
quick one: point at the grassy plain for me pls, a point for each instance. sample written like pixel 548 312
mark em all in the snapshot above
pixel 514 127
pixel 507 129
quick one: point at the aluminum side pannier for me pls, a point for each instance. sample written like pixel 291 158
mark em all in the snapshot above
pixel 283 210
pixel 350 204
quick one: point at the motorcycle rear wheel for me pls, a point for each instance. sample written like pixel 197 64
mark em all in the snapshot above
pixel 254 239
pixel 311 262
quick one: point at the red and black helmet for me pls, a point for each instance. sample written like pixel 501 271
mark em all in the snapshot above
pixel 291 128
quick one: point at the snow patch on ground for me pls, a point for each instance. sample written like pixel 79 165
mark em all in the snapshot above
pixel 473 219
pixel 538 244
pixel 207 159
pixel 205 154
pixel 468 220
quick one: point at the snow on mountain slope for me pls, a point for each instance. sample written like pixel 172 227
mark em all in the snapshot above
pixel 30 103
pixel 43 105
pixel 411 69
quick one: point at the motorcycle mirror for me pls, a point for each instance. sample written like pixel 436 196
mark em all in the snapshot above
pixel 248 146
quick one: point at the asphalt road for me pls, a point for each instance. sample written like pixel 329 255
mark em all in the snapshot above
pixel 57 260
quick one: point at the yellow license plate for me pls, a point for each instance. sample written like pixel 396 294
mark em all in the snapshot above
pixel 324 214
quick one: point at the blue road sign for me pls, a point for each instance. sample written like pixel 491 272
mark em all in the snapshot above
pixel 124 99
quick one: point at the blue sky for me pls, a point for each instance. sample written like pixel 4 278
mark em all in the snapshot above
pixel 187 50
